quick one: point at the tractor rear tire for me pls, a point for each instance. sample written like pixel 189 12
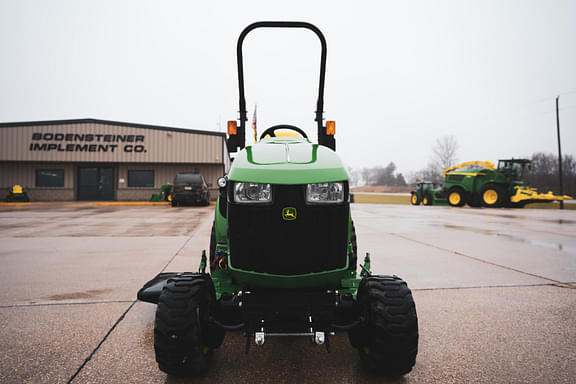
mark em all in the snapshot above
pixel 414 200
pixel 491 196
pixel 387 339
pixel 456 197
pixel 183 336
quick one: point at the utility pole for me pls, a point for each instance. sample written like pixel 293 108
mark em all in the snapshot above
pixel 559 152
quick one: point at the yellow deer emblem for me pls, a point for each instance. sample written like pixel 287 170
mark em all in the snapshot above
pixel 289 213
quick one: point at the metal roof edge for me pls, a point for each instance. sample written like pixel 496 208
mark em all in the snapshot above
pixel 108 122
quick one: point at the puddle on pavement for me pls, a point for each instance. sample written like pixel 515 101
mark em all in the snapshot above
pixel 561 221
pixel 78 295
pixel 558 246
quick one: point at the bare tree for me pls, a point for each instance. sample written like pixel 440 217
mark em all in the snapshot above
pixel 543 173
pixel 430 173
pixel 444 153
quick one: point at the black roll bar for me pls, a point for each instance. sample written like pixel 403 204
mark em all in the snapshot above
pixel 239 139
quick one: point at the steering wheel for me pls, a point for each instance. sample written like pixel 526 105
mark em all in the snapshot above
pixel 272 130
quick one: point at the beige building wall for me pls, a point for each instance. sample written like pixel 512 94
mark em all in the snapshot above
pixel 94 141
pixel 25 175
pixel 164 174
pixel 69 145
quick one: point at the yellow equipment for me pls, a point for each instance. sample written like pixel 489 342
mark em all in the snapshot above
pixel 523 193
pixel 486 164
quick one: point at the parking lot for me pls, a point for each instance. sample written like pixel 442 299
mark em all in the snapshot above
pixel 494 290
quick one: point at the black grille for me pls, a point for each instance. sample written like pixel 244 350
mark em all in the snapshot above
pixel 262 241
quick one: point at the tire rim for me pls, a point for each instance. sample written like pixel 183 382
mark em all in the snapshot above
pixel 425 201
pixel 454 198
pixel 490 196
pixel 414 199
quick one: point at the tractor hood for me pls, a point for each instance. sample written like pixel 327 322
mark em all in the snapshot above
pixel 287 160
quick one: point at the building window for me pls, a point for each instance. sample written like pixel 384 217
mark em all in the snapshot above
pixel 49 178
pixel 141 179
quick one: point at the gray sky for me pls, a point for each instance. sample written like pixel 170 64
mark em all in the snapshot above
pixel 400 74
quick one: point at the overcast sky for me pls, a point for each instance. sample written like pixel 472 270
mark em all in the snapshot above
pixel 400 74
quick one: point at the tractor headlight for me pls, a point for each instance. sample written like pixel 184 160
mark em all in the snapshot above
pixel 325 193
pixel 252 193
pixel 222 182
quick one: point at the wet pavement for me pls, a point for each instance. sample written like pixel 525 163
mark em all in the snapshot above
pixel 494 290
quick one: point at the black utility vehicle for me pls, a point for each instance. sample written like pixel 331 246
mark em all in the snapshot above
pixel 190 188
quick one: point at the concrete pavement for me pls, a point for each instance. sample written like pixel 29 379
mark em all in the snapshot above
pixel 494 291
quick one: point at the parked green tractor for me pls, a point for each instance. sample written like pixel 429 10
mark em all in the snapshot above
pixel 283 256
pixel 165 193
pixel 480 183
pixel 427 193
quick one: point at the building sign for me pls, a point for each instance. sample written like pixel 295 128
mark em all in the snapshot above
pixel 76 142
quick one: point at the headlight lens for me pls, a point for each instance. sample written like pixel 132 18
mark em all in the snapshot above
pixel 325 193
pixel 252 193
pixel 222 181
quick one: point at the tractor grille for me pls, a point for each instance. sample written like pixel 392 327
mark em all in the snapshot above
pixel 262 241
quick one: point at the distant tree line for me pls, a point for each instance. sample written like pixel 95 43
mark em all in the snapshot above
pixel 444 155
pixel 378 176
pixel 543 173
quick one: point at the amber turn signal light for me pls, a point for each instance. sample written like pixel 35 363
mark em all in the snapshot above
pixel 232 127
pixel 331 128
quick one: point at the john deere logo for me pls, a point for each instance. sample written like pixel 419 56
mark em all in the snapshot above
pixel 289 213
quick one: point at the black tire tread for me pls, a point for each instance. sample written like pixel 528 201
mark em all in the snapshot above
pixel 390 334
pixel 462 196
pixel 177 330
pixel 499 190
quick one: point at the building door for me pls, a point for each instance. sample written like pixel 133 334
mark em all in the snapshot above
pixel 95 183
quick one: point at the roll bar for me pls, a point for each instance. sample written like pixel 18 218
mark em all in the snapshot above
pixel 238 140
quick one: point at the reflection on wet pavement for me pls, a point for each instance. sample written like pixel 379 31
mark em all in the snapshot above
pixel 541 243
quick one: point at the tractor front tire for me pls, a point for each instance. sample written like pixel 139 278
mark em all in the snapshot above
pixel 183 336
pixel 456 197
pixel 387 338
pixel 491 196
pixel 426 200
pixel 414 200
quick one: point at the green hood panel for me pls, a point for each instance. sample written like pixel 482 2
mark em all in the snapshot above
pixel 287 160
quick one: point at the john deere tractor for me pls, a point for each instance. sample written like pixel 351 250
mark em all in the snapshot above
pixel 482 184
pixel 427 193
pixel 283 256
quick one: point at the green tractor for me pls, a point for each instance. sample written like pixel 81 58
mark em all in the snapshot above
pixel 283 257
pixel 165 194
pixel 426 193
pixel 485 185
